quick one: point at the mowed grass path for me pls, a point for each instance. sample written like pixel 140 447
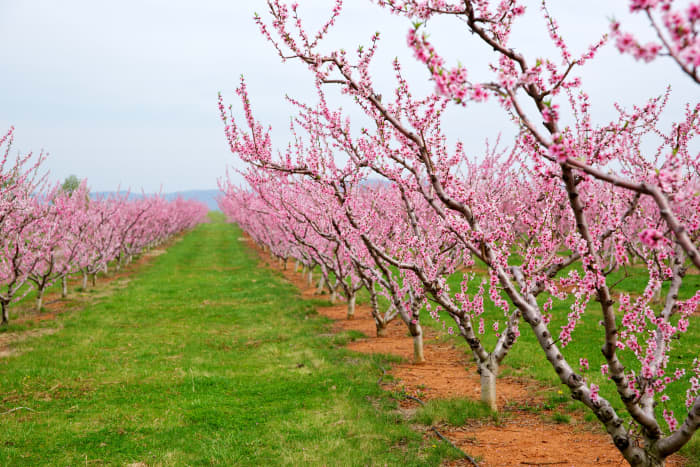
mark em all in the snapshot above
pixel 204 358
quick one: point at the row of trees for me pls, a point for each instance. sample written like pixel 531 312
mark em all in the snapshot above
pixel 392 208
pixel 50 232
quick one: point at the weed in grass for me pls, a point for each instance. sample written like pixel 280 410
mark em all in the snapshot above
pixel 455 412
pixel 558 417
pixel 342 339
pixel 525 407
pixel 558 397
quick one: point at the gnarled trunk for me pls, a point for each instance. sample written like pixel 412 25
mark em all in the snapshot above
pixel 311 277
pixel 319 289
pixel 381 327
pixel 85 280
pixel 64 287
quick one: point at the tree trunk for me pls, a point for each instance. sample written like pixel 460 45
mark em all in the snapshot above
pixel 5 314
pixel 93 279
pixel 488 371
pixel 85 280
pixel 106 269
pixel 286 263
pixel 39 298
pixel 417 334
pixel 649 457
pixel 296 265
pixel 319 289
pixel 351 306
pixel 311 277
pixel 649 461
pixel 334 296
pixel 381 327
pixel 64 287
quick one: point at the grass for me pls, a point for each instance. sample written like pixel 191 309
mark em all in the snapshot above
pixel 561 418
pixel 454 412
pixel 204 358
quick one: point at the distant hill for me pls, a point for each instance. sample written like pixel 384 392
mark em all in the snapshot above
pixel 207 197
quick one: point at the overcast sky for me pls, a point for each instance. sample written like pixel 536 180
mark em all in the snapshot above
pixel 124 93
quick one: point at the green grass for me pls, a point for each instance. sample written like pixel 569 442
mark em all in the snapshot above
pixel 455 412
pixel 204 358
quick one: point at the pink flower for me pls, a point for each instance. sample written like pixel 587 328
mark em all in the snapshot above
pixel 651 237
pixel 694 12
pixel 637 5
pixel 478 93
pixel 551 114
pixel 625 42
pixel 670 420
pixel 558 152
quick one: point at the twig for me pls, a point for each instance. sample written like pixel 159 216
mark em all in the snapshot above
pixel 544 463
pixel 16 409
pixel 379 381
pixel 466 456
pixel 414 399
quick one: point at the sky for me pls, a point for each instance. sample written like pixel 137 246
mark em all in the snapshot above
pixel 124 93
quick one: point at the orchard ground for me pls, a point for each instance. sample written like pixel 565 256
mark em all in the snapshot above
pixel 202 358
pixel 206 357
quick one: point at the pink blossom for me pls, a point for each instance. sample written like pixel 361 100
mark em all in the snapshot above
pixel 558 152
pixel 651 237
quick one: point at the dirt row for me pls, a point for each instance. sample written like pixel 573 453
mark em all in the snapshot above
pixel 523 436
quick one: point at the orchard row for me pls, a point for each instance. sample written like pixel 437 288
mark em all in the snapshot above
pixel 388 206
pixel 50 232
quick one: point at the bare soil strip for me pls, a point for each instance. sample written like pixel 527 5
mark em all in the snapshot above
pixel 520 438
